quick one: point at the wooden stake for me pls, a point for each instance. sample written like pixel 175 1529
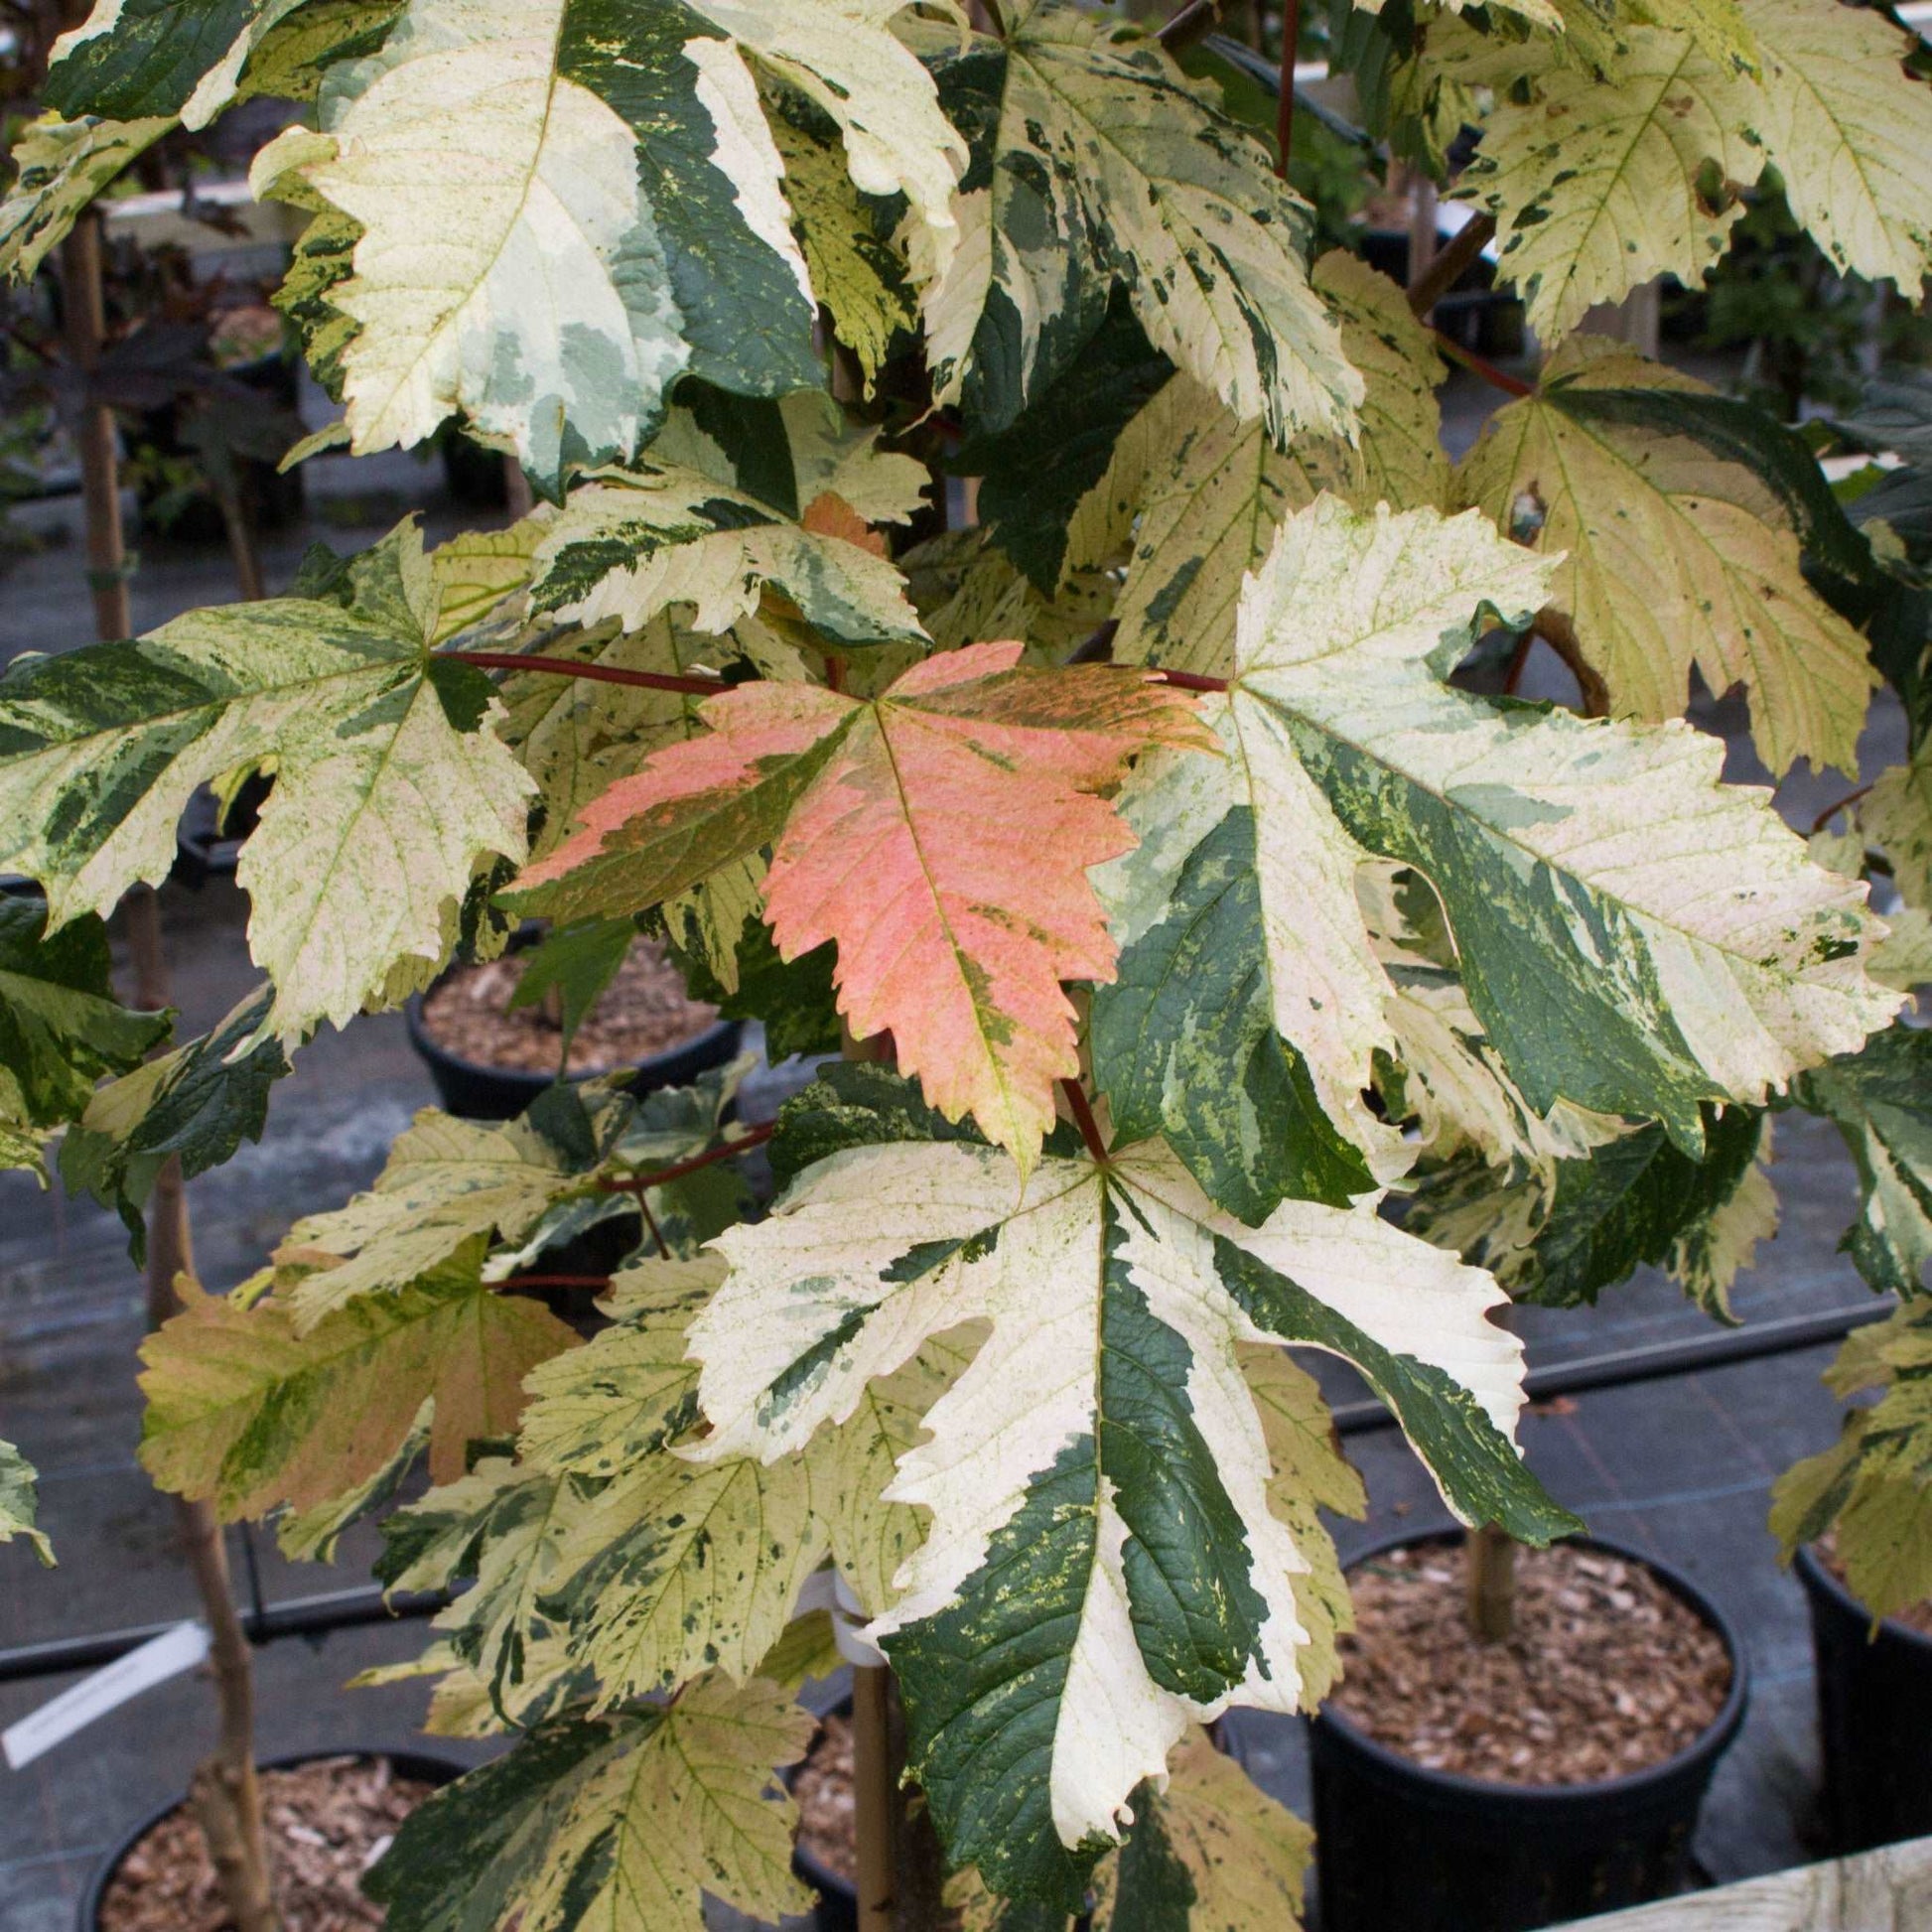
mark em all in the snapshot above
pixel 873 1792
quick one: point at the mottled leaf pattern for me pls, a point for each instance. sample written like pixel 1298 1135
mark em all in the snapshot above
pixel 390 784
pixel 17 1503
pixel 597 1824
pixel 1098 1478
pixel 61 1029
pixel 1873 1486
pixel 1672 557
pixel 1880 1101
pixel 245 1410
pixel 1096 162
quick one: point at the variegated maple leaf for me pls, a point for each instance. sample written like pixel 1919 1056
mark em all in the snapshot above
pixel 1096 162
pixel 245 1409
pixel 940 834
pixel 1104 1565
pixel 390 787
pixel 1670 555
pixel 606 208
pixel 1634 937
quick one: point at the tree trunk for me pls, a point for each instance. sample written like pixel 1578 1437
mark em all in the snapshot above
pixel 1491 1584
pixel 225 1792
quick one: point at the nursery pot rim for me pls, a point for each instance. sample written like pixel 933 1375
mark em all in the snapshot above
pixel 1710 1743
pixel 1817 1575
pixel 429 1767
pixel 722 1033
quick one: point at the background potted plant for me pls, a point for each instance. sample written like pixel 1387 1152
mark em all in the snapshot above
pixel 1146 824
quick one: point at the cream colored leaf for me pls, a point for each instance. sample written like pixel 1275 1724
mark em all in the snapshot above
pixel 1850 133
pixel 1672 922
pixel 60 168
pixel 1107 1389
pixel 1670 557
pixel 1595 183
pixel 1898 816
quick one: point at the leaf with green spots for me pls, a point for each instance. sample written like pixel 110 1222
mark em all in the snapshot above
pixel 594 1824
pixel 1880 1101
pixel 17 1503
pixel 447 1180
pixel 1097 164
pixel 60 1028
pixel 1588 1223
pixel 390 783
pixel 856 271
pixel 634 544
pixel 196 1105
pixel 133 58
pixel 1192 497
pixel 1872 1488
pixel 247 1411
pixel 1670 555
pixel 1103 1561
pixel 60 168
pixel 1209 1852
pixel 1897 818
pixel 499 1530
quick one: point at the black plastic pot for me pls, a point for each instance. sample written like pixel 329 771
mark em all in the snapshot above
pixel 421 1765
pixel 207 845
pixel 1874 1717
pixel 473 1091
pixel 1402 1849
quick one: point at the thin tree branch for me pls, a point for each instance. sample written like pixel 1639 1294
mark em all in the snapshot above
pixel 1077 1098
pixel 700 685
pixel 1185 26
pixel 554 1281
pixel 1830 812
pixel 1510 385
pixel 1445 270
pixel 637 1183
pixel 1285 106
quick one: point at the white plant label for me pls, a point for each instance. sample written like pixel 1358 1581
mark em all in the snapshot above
pixel 161 1658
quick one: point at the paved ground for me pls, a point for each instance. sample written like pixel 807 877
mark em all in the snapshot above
pixel 1680 1470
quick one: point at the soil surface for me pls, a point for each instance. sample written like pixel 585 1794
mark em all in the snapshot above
pixel 1608 1671
pixel 1915 1616
pixel 644 1010
pixel 824 1789
pixel 327 1822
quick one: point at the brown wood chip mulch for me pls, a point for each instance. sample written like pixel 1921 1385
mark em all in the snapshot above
pixel 827 1817
pixel 1608 1671
pixel 327 1822
pixel 644 1010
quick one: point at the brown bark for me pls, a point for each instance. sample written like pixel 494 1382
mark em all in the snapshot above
pixel 1491 1585
pixel 225 1792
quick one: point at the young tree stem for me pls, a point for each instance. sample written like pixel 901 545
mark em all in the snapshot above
pixel 873 1792
pixel 701 686
pixel 1491 1584
pixel 1285 106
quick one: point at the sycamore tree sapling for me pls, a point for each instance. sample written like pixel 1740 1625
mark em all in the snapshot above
pixel 1190 911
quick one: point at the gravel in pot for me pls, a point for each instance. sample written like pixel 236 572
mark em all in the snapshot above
pixel 328 1818
pixel 1469 1787
pixel 491 1059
